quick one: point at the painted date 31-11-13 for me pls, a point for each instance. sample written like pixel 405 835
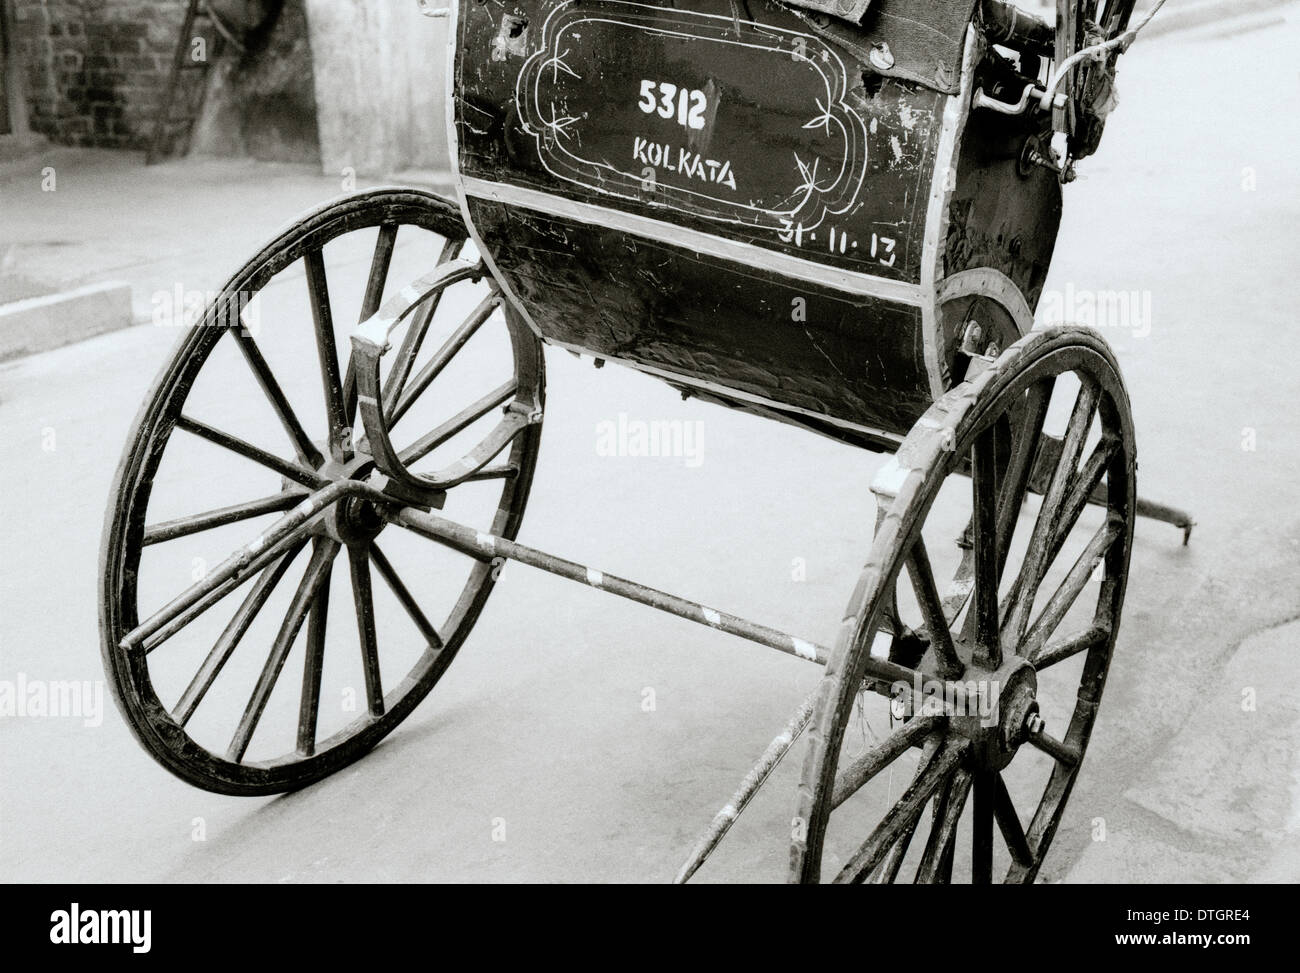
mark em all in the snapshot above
pixel 668 100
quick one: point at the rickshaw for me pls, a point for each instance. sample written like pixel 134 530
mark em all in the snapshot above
pixel 837 214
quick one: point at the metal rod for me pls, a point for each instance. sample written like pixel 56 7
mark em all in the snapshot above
pixel 1169 515
pixel 1036 735
pixel 1098 497
pixel 1151 510
pixel 489 546
pixel 756 778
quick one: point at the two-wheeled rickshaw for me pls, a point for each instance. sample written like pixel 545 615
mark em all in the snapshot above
pixel 838 214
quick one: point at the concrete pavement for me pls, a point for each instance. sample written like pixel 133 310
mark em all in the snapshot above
pixel 81 216
pixel 536 759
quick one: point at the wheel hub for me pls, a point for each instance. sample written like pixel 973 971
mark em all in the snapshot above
pixel 995 714
pixel 354 521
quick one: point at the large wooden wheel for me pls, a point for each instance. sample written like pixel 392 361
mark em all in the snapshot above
pixel 249 428
pixel 991 637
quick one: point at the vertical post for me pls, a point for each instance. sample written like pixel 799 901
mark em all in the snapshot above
pixel 1067 37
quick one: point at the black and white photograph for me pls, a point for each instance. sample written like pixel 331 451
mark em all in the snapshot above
pixel 632 442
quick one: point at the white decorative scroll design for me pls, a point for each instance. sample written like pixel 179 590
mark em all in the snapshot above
pixel 731 156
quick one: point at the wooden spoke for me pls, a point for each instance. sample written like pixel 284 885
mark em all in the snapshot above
pixel 1009 824
pixel 944 874
pixel 938 807
pixel 185 526
pixel 363 596
pixel 903 814
pixel 1068 648
pixel 982 831
pixel 443 358
pixel 1071 508
pixel 265 591
pixel 943 832
pixel 1068 593
pixel 1067 42
pixel 431 636
pixel 501 472
pixel 315 575
pixel 1117 16
pixel 1088 480
pixel 379 264
pixel 471 414
pixel 307 452
pixel 963 582
pixel 853 777
pixel 298 474
pixel 936 623
pixel 991 433
pixel 235 570
pixel 1047 527
pixel 1015 482
pixel 1046 818
pixel 230 638
pixel 887 872
pixel 309 706
pixel 323 319
pixel 984 480
pixel 374 296
pixel 415 334
pixel 404 360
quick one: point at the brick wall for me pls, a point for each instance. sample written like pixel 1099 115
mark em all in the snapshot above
pixel 95 69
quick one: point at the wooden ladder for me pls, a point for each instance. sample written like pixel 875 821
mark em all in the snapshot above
pixel 187 82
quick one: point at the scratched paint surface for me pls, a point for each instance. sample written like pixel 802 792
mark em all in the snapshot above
pixel 755 131
pixel 758 130
pixel 854 359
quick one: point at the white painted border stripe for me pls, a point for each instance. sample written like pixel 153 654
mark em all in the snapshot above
pixel 942 188
pixel 453 142
pixel 809 271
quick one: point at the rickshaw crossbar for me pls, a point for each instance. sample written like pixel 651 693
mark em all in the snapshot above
pixel 490 547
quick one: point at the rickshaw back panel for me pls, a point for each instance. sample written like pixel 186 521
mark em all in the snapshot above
pixel 740 206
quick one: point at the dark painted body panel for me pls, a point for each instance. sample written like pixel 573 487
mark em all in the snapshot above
pixel 799 148
pixel 761 132
pixel 709 321
pixel 619 132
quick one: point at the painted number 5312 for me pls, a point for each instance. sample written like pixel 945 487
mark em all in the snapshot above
pixel 667 100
